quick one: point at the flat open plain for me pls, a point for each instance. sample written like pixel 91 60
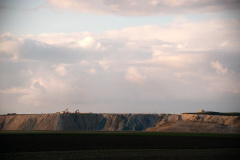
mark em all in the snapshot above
pixel 117 145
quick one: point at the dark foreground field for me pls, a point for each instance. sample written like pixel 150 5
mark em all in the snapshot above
pixel 117 145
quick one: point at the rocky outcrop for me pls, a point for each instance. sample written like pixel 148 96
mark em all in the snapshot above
pixel 123 122
pixel 197 123
pixel 133 122
pixel 29 122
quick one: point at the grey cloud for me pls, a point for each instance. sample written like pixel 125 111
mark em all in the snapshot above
pixel 39 86
pixel 11 74
pixel 6 56
pixel 2 7
pixel 44 52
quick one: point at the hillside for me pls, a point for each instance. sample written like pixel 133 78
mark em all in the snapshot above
pixel 197 123
pixel 123 122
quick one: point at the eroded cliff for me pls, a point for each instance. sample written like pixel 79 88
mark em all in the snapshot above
pixel 123 122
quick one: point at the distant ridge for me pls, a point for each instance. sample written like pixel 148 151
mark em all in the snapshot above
pixel 200 122
pixel 214 113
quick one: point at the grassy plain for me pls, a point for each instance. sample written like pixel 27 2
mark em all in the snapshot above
pixel 117 145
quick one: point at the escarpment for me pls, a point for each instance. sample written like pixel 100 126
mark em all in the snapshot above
pixel 198 123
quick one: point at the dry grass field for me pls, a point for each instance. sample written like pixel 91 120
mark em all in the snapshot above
pixel 117 145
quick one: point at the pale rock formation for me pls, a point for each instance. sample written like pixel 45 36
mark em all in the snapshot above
pixel 201 110
pixel 123 122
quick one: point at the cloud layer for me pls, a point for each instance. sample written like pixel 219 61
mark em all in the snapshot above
pixel 134 69
pixel 145 7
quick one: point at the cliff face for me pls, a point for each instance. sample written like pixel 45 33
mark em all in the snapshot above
pixel 123 122
pixel 29 122
pixel 197 123
pixel 133 122
pixel 78 121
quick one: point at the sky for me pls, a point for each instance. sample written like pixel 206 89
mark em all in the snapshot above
pixel 119 56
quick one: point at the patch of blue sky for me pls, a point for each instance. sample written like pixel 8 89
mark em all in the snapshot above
pixel 22 4
pixel 45 20
pixel 17 19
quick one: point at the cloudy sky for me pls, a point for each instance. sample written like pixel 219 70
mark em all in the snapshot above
pixel 119 56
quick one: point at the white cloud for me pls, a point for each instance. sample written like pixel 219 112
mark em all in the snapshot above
pixel 105 64
pixel 183 35
pixel 92 71
pixel 83 62
pixel 61 70
pixel 11 46
pixel 87 42
pixel 15 90
pixel 137 65
pixel 134 75
pixel 219 67
pixel 154 2
pixel 226 43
